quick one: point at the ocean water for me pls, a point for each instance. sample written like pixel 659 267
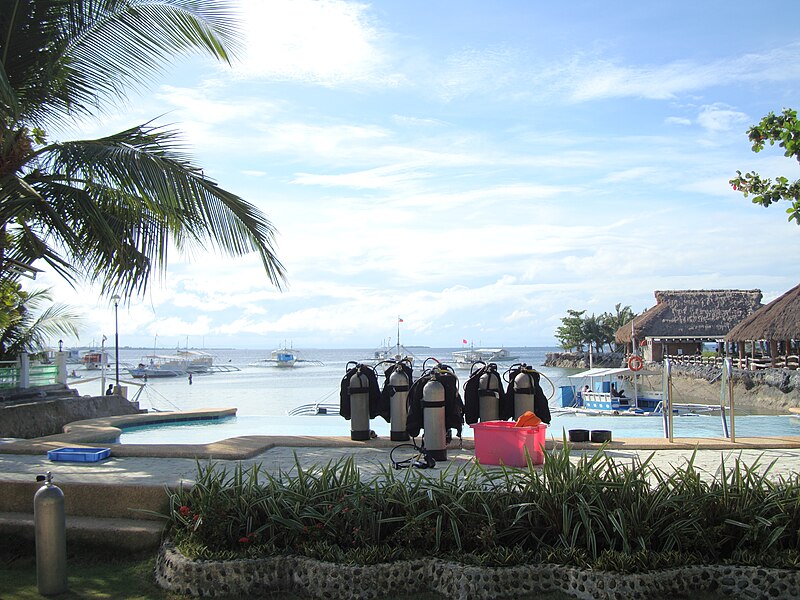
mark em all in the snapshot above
pixel 267 391
pixel 264 395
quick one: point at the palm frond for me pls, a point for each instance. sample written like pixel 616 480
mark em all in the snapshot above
pixel 65 57
pixel 123 198
pixel 35 324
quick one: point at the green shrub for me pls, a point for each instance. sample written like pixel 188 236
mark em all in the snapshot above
pixel 592 511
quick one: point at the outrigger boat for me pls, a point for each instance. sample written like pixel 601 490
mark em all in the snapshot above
pixel 284 357
pixel 600 391
pixel 388 353
pixel 464 359
pixel 94 359
pixel 155 365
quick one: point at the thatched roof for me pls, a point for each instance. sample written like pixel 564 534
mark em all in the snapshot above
pixel 706 314
pixel 778 320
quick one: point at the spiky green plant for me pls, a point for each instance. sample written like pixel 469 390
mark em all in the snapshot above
pixel 586 511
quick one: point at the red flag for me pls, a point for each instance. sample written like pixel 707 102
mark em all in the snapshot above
pixel 463 341
pixel 399 320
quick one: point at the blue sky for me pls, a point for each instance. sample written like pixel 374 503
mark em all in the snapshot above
pixel 476 168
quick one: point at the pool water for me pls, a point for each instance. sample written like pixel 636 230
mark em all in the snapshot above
pixel 207 431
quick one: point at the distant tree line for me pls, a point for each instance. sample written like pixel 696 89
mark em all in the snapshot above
pixel 578 331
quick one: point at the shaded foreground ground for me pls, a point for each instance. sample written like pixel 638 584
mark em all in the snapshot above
pixel 92 577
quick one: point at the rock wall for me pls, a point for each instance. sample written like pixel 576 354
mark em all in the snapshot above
pixel 580 360
pixel 767 389
pixel 331 581
pixel 38 418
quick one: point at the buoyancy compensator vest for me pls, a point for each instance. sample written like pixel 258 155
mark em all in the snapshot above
pixel 388 390
pixel 473 392
pixel 454 405
pixel 540 406
pixel 373 389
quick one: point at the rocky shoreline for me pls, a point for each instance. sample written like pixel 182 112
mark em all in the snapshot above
pixel 767 389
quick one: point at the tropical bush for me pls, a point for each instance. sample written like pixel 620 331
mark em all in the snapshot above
pixel 591 512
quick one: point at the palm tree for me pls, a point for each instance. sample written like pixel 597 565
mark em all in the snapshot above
pixel 106 210
pixel 613 321
pixel 30 324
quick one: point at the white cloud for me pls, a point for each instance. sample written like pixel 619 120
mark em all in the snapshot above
pixel 720 117
pixel 388 177
pixel 678 121
pixel 328 42
pixel 475 70
pixel 586 77
pixel 632 174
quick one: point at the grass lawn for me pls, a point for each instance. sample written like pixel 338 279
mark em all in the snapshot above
pixel 106 576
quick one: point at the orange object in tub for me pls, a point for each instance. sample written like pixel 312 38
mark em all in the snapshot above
pixel 528 419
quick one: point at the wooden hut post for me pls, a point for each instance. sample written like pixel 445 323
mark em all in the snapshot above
pixel 773 351
pixel 740 343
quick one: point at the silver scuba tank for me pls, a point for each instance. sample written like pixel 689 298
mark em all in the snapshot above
pixel 433 420
pixel 523 393
pixel 358 388
pixel 51 538
pixel 488 398
pixel 398 409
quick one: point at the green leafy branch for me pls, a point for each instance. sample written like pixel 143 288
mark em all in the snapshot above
pixel 784 130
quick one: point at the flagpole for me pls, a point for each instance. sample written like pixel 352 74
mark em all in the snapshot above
pixel 399 320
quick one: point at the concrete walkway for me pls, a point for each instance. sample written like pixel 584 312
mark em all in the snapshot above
pixel 171 471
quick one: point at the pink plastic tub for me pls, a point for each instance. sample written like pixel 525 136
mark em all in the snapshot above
pixel 500 443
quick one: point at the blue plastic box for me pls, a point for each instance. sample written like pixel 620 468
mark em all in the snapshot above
pixel 79 454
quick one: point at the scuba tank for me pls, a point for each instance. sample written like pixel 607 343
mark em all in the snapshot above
pixel 394 398
pixel 51 538
pixel 484 396
pixel 435 405
pixel 359 399
pixel 524 392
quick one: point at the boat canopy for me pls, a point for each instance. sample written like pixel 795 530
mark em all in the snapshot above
pixel 610 372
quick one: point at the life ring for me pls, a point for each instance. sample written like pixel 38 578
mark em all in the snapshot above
pixel 635 363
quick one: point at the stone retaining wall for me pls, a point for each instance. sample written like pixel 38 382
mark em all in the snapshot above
pixel 342 582
pixel 38 418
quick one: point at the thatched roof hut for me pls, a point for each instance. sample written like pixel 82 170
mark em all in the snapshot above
pixel 682 320
pixel 778 320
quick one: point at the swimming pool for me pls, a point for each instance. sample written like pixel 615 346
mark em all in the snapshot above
pixel 208 431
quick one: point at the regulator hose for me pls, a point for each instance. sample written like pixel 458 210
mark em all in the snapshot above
pixel 421 460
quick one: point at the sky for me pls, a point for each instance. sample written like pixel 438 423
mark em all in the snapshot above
pixel 473 168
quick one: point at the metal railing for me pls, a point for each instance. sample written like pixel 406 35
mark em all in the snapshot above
pixel 791 361
pixel 9 375
pixel 43 375
pixel 38 375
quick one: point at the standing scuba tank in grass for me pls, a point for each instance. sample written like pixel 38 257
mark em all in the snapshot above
pixel 51 538
pixel 359 399
pixel 525 393
pixel 394 398
pixel 435 405
pixel 484 396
